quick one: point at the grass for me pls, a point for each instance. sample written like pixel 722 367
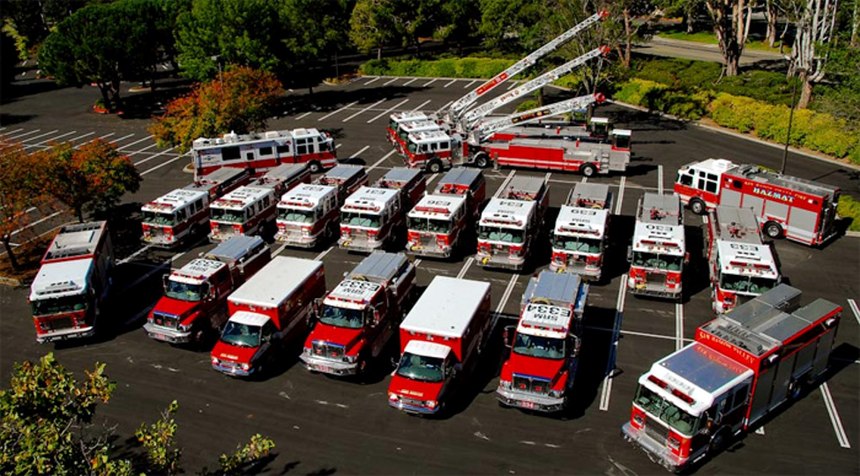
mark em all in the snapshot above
pixel 709 38
pixel 849 208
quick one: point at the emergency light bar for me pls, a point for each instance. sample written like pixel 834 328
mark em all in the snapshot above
pixel 425 209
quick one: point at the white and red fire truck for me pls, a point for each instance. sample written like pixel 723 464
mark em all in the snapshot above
pixel 261 151
pixel 540 371
pixel 437 225
pixel 741 265
pixel 307 214
pixel 220 181
pixel 405 128
pixel 346 178
pixel 741 368
pixel 794 208
pixel 411 183
pixel 440 341
pixel 580 235
pixel 194 304
pixel 284 177
pixel 360 315
pixel 658 254
pixel 266 313
pixel 392 132
pixel 73 282
pixel 175 218
pixel 370 218
pixel 247 210
pixel 469 183
pixel 510 224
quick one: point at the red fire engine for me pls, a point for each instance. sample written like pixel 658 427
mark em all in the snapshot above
pixel 581 230
pixel 437 225
pixel 659 252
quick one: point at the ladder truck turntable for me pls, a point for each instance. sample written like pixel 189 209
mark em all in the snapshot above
pixel 658 253
pixel 741 367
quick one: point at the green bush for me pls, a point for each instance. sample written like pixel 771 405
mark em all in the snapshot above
pixel 660 97
pixel 527 104
pixel 446 67
pixel 849 208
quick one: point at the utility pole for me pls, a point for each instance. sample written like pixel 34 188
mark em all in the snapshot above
pixel 790 120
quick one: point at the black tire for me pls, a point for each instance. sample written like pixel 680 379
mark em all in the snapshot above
pixel 773 230
pixel 482 160
pixel 434 166
pixel 719 442
pixel 697 206
pixel 315 167
pixel 588 170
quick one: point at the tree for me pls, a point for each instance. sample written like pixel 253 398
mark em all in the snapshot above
pixel 371 25
pixel 460 22
pixel 514 25
pixel 8 61
pixel 94 176
pixel 629 16
pixel 159 442
pixel 318 31
pixel 771 13
pixel 20 188
pixel 241 101
pixel 30 22
pixel 731 25
pixel 814 31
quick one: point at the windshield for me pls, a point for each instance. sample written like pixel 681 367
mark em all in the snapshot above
pixel 300 216
pixel 155 218
pixel 746 284
pixel 666 411
pixel 241 335
pixel 44 307
pixel 495 233
pixel 419 367
pixel 429 224
pixel 656 260
pixel 540 347
pixel 220 214
pixel 573 243
pixel 359 219
pixel 184 291
pixel 339 317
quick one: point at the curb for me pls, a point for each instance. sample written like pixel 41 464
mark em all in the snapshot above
pixel 853 234
pixel 11 282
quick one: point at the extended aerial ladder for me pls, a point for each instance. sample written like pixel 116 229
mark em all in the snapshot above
pixel 485 129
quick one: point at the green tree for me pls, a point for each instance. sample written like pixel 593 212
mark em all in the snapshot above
pixel 30 22
pixel 9 60
pixel 159 441
pixel 318 30
pixel 461 20
pixel 514 25
pixel 372 25
pixel 93 176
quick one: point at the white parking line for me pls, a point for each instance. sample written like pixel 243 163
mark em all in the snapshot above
pixel 660 179
pixel 164 164
pixel 421 105
pixel 336 111
pixel 116 140
pixel 387 111
pixel 338 145
pixel 163 152
pixel 365 109
pixel 606 390
pixel 381 160
pixel 410 81
pixel 139 151
pixel 43 135
pixel 465 268
pixel 502 302
pixel 470 83
pixel 834 416
pixel 428 83
pixel 372 81
pixel 19 230
pixel 18 136
pixel 449 83
pixel 125 147
pixel 760 430
pixel 81 136
pixel 620 195
pixel 359 152
pixel 302 116
pixel 504 184
pixel 134 255
pixel 11 132
pixel 854 309
pixel 390 81
pixel 51 138
pixel 679 326
pixel 320 256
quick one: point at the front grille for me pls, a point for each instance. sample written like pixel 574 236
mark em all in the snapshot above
pixel 412 402
pixel 156 232
pixel 165 320
pixel 656 430
pixel 225 229
pixel 655 279
pixel 60 323
pixel 327 351
pixel 525 383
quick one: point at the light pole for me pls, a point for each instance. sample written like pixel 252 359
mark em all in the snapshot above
pixel 790 120
pixel 217 60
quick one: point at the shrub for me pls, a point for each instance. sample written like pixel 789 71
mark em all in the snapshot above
pixel 659 97
pixel 446 67
pixel 849 208
pixel 527 104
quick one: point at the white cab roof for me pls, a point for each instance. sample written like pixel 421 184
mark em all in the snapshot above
pixel 196 271
pixel 714 166
pixel 507 213
pixel 577 221
pixel 306 196
pixel 73 241
pixel 446 308
pixel 654 238
pixel 437 206
pixel 276 281
pixel 747 259
pixel 421 137
pixel 419 125
pixel 427 349
pixel 241 197
pixel 249 318
pixel 63 278
pixel 173 200
pixel 370 199
pixel 352 293
pixel 545 320
pixel 408 116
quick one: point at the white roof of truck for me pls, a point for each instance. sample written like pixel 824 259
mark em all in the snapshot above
pixel 714 166
pixel 306 196
pixel 747 259
pixel 63 278
pixel 173 200
pixel 354 290
pixel 370 199
pixel 581 221
pixel 73 241
pixel 446 308
pixel 507 213
pixel 655 238
pixel 437 206
pixel 545 320
pixel 249 318
pixel 276 281
pixel 427 349
pixel 409 116
pixel 241 197
pixel 196 271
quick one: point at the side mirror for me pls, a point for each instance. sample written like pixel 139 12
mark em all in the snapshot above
pixel 630 253
pixel 457 368
pixel 687 258
pixel 376 317
pixel 165 278
pixel 507 335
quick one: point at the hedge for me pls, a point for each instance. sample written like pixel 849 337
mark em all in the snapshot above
pixel 660 97
pixel 849 208
pixel 446 68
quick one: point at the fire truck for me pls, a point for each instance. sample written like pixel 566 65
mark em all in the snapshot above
pixel 360 315
pixel 437 225
pixel 307 214
pixel 247 210
pixel 393 132
pixel 411 184
pixel 195 296
pixel 175 218
pixel 658 254
pixel 261 151
pixel 284 177
pixel 221 181
pixel 741 265
pixel 510 224
pixel 741 368
pixel 346 178
pixel 469 183
pixel 580 235
pixel 406 128
pixel 790 207
pixel 69 291
pixel 440 341
pixel 370 218
pixel 266 314
pixel 540 371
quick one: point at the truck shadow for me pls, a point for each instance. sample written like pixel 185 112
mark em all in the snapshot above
pixel 620 237
pixel 697 276
pixel 596 359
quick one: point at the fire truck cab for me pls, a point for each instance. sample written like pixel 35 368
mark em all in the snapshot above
pixel 306 215
pixel 437 225
pixel 345 178
pixel 658 254
pixel 395 120
pixel 370 218
pixel 430 150
pixel 469 183
pixel 741 367
pixel 247 210
pixel 741 265
pixel 174 218
pixel 411 184
pixel 580 236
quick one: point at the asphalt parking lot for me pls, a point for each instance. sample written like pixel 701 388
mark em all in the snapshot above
pixel 323 425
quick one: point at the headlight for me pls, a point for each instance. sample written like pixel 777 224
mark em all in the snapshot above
pixel 431 404
pixel 184 328
pixel 246 367
pixel 556 393
pixel 505 383
pixel 350 358
pixel 215 361
pixel 393 396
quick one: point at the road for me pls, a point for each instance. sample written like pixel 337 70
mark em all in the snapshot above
pixel 672 48
pixel 325 426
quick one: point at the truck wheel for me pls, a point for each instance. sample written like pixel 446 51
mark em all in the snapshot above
pixel 697 206
pixel 773 230
pixel 588 170
pixel 315 167
pixel 718 443
pixel 434 166
pixel 482 160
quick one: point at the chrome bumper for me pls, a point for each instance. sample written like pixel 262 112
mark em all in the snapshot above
pixel 166 334
pixel 530 401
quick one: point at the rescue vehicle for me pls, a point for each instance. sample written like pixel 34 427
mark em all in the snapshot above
pixel 220 181
pixel 544 346
pixel 247 210
pixel 797 209
pixel 194 304
pixel 68 294
pixel 392 131
pixel 510 224
pixel 404 129
pixel 658 254
pixel 307 215
pixel 370 218
pixel 467 182
pixel 411 183
pixel 266 313
pixel 440 341
pixel 741 265
pixel 580 236
pixel 741 368
pixel 346 178
pixel 261 151
pixel 437 225
pixel 175 218
pixel 360 315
